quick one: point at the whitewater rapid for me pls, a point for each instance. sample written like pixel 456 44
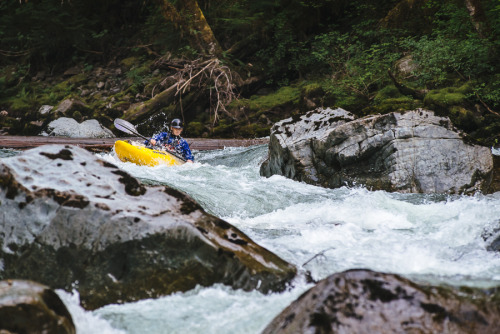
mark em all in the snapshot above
pixel 434 239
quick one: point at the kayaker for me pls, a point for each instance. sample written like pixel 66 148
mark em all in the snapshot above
pixel 173 141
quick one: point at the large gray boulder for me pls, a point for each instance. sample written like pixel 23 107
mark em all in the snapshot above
pixel 68 127
pixel 363 301
pixel 30 307
pixel 71 220
pixel 414 151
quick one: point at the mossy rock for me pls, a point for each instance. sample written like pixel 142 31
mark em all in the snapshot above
pixel 283 96
pixel 447 97
pixel 388 92
pixel 127 63
pixel 122 105
pixel 313 90
pixel 351 103
pixel 77 116
pixel 464 119
pixel 78 78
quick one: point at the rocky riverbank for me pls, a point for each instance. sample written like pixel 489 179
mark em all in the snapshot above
pixel 68 223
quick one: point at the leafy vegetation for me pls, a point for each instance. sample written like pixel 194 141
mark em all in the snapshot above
pixel 302 53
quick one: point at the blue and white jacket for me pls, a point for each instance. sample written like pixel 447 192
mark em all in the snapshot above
pixel 176 143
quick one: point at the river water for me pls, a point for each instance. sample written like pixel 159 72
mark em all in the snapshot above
pixel 432 239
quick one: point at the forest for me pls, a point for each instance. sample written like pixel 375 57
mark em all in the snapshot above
pixel 232 68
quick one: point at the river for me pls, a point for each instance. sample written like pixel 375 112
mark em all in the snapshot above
pixel 431 239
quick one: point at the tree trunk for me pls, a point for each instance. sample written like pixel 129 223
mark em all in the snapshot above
pixel 478 17
pixel 188 17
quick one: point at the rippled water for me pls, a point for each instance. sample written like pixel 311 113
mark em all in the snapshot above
pixel 428 238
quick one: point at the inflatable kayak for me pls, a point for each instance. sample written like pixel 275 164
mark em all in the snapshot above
pixel 144 156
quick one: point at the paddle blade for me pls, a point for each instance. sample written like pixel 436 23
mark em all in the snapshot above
pixel 125 126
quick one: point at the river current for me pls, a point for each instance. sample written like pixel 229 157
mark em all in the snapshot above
pixel 431 239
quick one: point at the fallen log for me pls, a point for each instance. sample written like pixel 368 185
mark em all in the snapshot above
pixel 106 144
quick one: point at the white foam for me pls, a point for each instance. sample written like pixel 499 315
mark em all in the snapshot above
pixel 86 322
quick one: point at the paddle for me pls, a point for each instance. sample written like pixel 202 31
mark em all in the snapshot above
pixel 129 128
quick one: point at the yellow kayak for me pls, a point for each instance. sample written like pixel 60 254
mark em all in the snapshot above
pixel 143 156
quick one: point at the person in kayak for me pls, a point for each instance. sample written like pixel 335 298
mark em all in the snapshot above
pixel 173 140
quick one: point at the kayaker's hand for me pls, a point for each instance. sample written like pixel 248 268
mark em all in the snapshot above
pixel 190 161
pixel 153 142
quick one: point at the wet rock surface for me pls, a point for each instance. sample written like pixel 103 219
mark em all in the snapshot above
pixel 414 151
pixel 71 220
pixel 68 127
pixel 30 307
pixel 491 236
pixel 363 301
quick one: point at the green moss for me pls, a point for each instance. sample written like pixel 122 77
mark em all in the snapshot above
pixel 77 116
pixel 388 105
pixel 464 119
pixel 313 90
pixel 387 92
pixel 24 100
pixel 285 95
pixel 62 88
pixel 465 89
pixel 77 79
pixel 129 62
pixel 350 102
pixel 446 97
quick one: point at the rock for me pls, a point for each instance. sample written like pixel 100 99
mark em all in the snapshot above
pixel 69 106
pixel 413 151
pixel 71 220
pixel 85 92
pixel 45 109
pixel 29 307
pixel 491 236
pixel 495 182
pixel 290 154
pixel 363 301
pixel 68 127
pixel 404 67
pixel 37 123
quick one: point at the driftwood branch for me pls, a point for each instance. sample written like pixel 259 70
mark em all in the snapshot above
pixel 185 75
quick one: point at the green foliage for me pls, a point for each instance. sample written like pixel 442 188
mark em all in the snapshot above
pixel 55 32
pixel 195 129
pixel 441 57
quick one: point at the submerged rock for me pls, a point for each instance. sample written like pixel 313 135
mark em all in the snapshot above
pixel 491 236
pixel 413 151
pixel 29 307
pixel 68 127
pixel 363 301
pixel 72 220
